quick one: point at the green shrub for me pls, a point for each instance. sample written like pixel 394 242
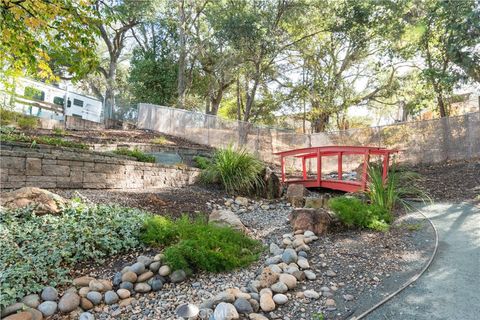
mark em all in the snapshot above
pixel 236 170
pixel 378 225
pixel 397 186
pixel 27 123
pixel 160 141
pixel 12 136
pixel 137 154
pixel 38 250
pixel 7 116
pixel 196 245
pixel 355 213
pixel 202 162
pixel 58 132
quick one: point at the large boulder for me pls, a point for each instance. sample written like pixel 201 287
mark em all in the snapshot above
pixel 296 194
pixel 272 186
pixel 315 220
pixel 226 218
pixel 44 201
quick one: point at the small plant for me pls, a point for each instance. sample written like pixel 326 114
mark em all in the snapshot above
pixel 59 132
pixel 7 116
pixel 160 141
pixel 196 245
pixel 38 250
pixel 398 186
pixel 12 136
pixel 137 154
pixel 236 170
pixel 27 123
pixel 355 213
pixel 202 162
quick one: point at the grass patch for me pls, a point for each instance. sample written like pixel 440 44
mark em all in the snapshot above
pixel 202 162
pixel 27 123
pixel 38 250
pixel 196 245
pixel 355 213
pixel 160 141
pixel 236 170
pixel 59 132
pixel 13 136
pixel 137 154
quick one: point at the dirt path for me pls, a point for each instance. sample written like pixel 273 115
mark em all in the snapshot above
pixel 449 289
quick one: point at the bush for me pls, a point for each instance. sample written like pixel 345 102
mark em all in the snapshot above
pixel 137 154
pixel 355 213
pixel 27 123
pixel 202 162
pixel 58 132
pixel 196 245
pixel 7 116
pixel 160 141
pixel 38 250
pixel 236 170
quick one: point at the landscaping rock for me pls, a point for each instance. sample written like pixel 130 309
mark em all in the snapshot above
pixel 117 279
pixel 44 201
pixel 12 309
pixel 126 285
pixel 242 201
pixel 273 260
pixel 32 300
pixel 279 287
pixel 69 302
pixel 82 281
pixel 49 294
pixel 225 311
pixel 123 293
pixel 243 306
pixel 129 276
pixel 156 285
pixel 348 297
pixel 187 311
pixel 256 316
pixel 138 268
pixel 145 260
pixel 36 315
pixel 272 184
pixel 280 299
pixel 95 297
pixel 303 263
pixel 19 316
pixel 142 287
pixel 164 271
pixel 126 302
pixel 330 303
pixel 289 255
pixel 315 220
pixel 275 249
pixel 224 296
pixel 226 218
pixel 178 276
pixel 314 202
pixel 48 308
pixel 299 275
pixel 331 273
pixel 111 297
pixel 155 266
pixel 296 194
pixel 96 285
pixel 289 280
pixel 267 277
pixel 310 275
pixel 145 276
pixel 266 302
pixel 86 304
pixel 86 316
pixel 311 294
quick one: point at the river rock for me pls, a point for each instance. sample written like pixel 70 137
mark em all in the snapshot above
pixel 142 287
pixel 32 300
pixel 117 279
pixel 289 280
pixel 311 294
pixel 145 276
pixel 129 276
pixel 178 276
pixel 256 316
pixel 155 266
pixel 267 277
pixel 289 255
pixel 48 308
pixel 95 297
pixel 86 316
pixel 111 297
pixel 275 249
pixel 156 284
pixel 226 218
pixel 69 302
pixel 303 263
pixel 243 306
pixel 310 275
pixel 280 298
pixel 96 285
pixel 123 293
pixel 225 311
pixel 145 260
pixel 86 304
pixel 49 294
pixel 126 285
pixel 266 302
pixel 279 287
pixel 164 271
pixel 24 315
pixel 12 309
pixel 138 268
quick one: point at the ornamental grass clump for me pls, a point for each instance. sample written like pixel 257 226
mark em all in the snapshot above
pixel 237 171
pixel 38 250
pixel 193 245
pixel 137 154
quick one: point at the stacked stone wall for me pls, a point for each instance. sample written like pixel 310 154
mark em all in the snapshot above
pixel 64 168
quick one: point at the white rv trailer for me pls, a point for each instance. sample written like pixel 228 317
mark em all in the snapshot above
pixel 46 101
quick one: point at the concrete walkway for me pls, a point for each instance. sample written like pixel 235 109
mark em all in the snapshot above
pixel 450 288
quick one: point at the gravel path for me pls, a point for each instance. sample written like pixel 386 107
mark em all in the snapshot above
pixel 449 289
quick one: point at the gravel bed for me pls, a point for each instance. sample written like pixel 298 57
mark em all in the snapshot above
pixel 366 266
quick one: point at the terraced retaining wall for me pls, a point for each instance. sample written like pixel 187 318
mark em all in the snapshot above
pixel 65 168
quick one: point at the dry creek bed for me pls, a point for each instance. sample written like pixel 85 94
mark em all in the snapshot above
pixel 367 266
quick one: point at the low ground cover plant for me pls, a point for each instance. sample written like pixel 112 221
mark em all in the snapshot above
pixel 38 250
pixel 10 135
pixel 137 154
pixel 161 141
pixel 237 171
pixel 193 245
pixel 202 162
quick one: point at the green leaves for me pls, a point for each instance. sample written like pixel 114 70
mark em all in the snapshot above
pixel 38 250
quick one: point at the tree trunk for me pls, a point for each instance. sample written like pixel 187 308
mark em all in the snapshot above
pixel 182 55
pixel 320 122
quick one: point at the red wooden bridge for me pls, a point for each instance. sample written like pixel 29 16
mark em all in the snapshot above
pixel 337 184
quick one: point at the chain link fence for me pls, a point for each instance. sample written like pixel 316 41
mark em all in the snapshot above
pixel 454 138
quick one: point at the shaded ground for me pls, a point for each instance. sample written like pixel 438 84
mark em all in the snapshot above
pixel 116 136
pixel 449 288
pixel 451 181
pixel 191 200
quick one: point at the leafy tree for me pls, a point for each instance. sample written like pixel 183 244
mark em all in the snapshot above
pixel 32 29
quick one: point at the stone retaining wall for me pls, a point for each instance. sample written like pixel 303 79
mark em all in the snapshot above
pixel 65 168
